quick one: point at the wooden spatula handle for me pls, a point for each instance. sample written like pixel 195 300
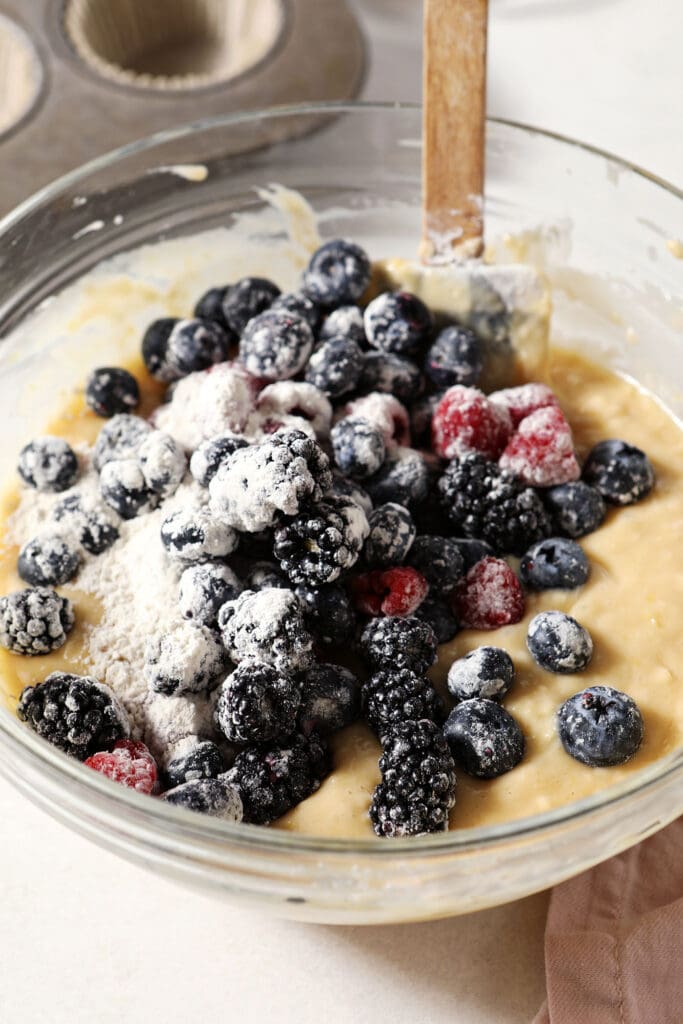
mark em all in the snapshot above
pixel 453 128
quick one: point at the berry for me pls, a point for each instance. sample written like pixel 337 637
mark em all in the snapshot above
pixel 90 522
pixel 275 345
pixel 110 390
pixel 264 575
pixel 490 596
pixel 48 464
pixel 75 713
pixel 399 642
pixel 34 621
pixel 600 727
pixel 484 503
pixel 124 488
pixel 338 273
pixel 621 473
pixel 281 474
pixel 202 761
pixel 301 305
pixel 484 738
pixel 129 763
pixel 293 401
pixel 386 413
pixel 163 463
pixel 155 349
pixel 465 421
pixel 319 544
pixel 335 366
pixel 456 357
pixel 439 615
pixel 195 345
pixel 345 322
pixel 418 781
pixel 521 401
pixel 392 532
pixel 397 322
pixel 204 589
pixel 187 660
pixel 398 695
pixel 48 560
pixel 472 551
pixel 387 373
pixel 210 306
pixel 576 507
pixel 195 534
pixel 272 781
pixel 541 451
pixel 358 446
pixel 257 704
pixel 486 672
pixel 397 591
pixel 558 643
pixel 216 797
pixel 210 454
pixel 267 625
pixel 119 438
pixel 345 487
pixel 329 699
pixel 246 299
pixel 555 562
pixel 439 560
pixel 328 613
pixel 403 479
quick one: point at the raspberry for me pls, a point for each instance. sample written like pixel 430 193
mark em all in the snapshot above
pixel 521 401
pixel 397 591
pixel 129 763
pixel 466 421
pixel 541 452
pixel 490 596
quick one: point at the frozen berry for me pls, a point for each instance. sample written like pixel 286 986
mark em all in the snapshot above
pixel 392 532
pixel 329 699
pixel 275 345
pixel 319 544
pixel 124 488
pixel 338 273
pixel 384 412
pixel 48 464
pixel 129 763
pixel 335 366
pixel 119 438
pixel 345 487
pixel 403 479
pixel 155 349
pixel 195 534
pixel 486 672
pixel 267 625
pixel 246 299
pixel 541 451
pixel 345 321
pixel 301 305
pixel 438 614
pixel 521 401
pixel 216 797
pixel 328 613
pixel 472 551
pixel 289 400
pixel 202 761
pixel 484 738
pixel 620 472
pixel 110 390
pixel 600 726
pixel 263 575
pixel 257 704
pixel 188 659
pixel 399 642
pixel 556 562
pixel 210 454
pixel 204 589
pixel 195 345
pixel 576 507
pixel 439 560
pixel 274 779
pixel 210 306
pixel 397 591
pixel 162 462
pixel 48 560
pixel 35 621
pixel 558 643
pixel 358 446
pixel 455 357
pixel 490 596
pixel 397 322
pixel 385 372
pixel 89 521
pixel 398 695
pixel 465 421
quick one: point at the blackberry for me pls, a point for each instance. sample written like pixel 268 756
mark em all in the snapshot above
pixel 35 621
pixel 77 714
pixel 194 534
pixel 487 672
pixel 124 488
pixel 110 390
pixel 188 659
pixel 257 704
pixel 210 454
pixel 397 322
pixel 88 520
pixel 48 464
pixel 345 322
pixel 358 446
pixel 215 797
pixel 484 738
pixel 301 305
pixel 267 625
pixel 455 357
pixel 345 487
pixel 399 642
pixel 204 589
pixel 263 575
pixel 398 695
pixel 620 472
pixel 155 349
pixel 319 544
pixel 438 614
pixel 202 761
pixel 276 345
pixel 600 726
pixel 335 366
pixel 338 273
pixel 119 438
pixel 556 562
pixel 328 613
pixel 392 533
pixel 271 781
pixel 404 479
pixel 329 699
pixel 210 306
pixel 48 560
pixel 163 463
pixel 576 508
pixel 195 345
pixel 558 643
pixel 418 781
pixel 246 299
pixel 488 504
pixel 440 562
pixel 389 374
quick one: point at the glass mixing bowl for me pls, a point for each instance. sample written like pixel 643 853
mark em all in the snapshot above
pixel 609 246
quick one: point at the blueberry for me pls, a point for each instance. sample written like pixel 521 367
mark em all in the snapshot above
pixel 347 322
pixel 163 463
pixel 619 471
pixel 48 464
pixel 88 520
pixel 558 643
pixel 486 672
pixel 439 560
pixel 194 534
pixel 215 797
pixel 455 357
pixel 210 306
pixel 195 345
pixel 124 488
pixel 392 532
pixel 263 575
pixel 484 738
pixel 389 374
pixel 109 390
pixel 358 446
pixel 335 366
pixel 438 614
pixel 397 322
pixel 473 551
pixel 576 507
pixel 203 761
pixel 48 560
pixel 246 299
pixel 301 305
pixel 210 454
pixel 600 726
pixel 345 487
pixel 404 478
pixel 338 273
pixel 119 438
pixel 204 589
pixel 330 699
pixel 275 345
pixel 189 659
pixel 328 613
pixel 555 562
pixel 155 349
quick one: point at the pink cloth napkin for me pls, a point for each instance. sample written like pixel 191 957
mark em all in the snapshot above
pixel 614 939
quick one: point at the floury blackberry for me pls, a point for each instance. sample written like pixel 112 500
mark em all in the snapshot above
pixel 35 621
pixel 393 696
pixel 318 545
pixel 257 704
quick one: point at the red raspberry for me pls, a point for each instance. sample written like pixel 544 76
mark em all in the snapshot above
pixel 389 591
pixel 522 401
pixel 541 452
pixel 466 421
pixel 129 763
pixel 490 596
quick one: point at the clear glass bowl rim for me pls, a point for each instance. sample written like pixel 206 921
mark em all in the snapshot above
pixel 193 827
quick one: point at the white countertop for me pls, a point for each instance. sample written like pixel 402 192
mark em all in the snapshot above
pixel 87 938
